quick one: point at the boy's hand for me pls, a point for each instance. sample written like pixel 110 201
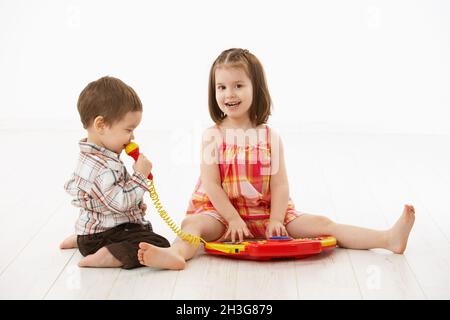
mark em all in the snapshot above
pixel 143 165
pixel 237 226
pixel 143 207
pixel 275 228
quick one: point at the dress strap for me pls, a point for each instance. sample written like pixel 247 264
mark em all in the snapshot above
pixel 267 136
pixel 223 144
pixel 218 128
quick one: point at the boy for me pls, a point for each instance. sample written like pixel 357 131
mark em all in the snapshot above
pixel 111 221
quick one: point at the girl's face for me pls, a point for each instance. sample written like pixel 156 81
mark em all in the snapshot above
pixel 234 92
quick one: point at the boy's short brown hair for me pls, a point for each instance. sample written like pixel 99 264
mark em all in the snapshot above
pixel 108 97
pixel 241 58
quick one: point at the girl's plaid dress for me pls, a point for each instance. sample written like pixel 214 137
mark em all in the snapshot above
pixel 245 175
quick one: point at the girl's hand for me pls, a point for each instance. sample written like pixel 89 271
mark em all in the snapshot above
pixel 237 226
pixel 275 228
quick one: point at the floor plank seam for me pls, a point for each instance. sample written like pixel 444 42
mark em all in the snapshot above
pixel 59 274
pixel 30 240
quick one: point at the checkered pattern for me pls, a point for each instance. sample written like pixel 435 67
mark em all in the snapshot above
pixel 104 191
pixel 245 176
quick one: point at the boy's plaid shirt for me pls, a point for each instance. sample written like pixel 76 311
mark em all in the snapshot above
pixel 104 191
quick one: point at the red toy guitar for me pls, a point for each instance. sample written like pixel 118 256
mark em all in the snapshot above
pixel 274 248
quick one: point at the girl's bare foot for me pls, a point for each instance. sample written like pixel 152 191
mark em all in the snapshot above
pixel 101 259
pixel 69 242
pixel 164 258
pixel 399 233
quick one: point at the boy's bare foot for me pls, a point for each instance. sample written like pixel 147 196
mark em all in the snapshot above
pixel 101 259
pixel 69 242
pixel 164 258
pixel 399 233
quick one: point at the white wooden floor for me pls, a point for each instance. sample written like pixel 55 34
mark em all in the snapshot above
pixel 354 179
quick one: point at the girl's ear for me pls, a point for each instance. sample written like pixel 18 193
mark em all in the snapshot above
pixel 99 124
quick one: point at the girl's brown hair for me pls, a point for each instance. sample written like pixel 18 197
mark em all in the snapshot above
pixel 108 97
pixel 259 111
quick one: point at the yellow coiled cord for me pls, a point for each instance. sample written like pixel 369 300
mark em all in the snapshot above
pixel 194 240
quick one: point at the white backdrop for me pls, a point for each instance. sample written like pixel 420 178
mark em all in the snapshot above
pixel 339 66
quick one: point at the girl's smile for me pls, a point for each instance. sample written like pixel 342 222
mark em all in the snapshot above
pixel 233 105
pixel 234 92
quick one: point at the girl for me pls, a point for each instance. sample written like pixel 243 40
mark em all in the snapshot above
pixel 243 187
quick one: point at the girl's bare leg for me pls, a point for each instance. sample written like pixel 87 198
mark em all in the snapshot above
pixel 175 257
pixel 394 239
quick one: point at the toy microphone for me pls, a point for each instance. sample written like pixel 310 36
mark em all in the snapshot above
pixel 132 149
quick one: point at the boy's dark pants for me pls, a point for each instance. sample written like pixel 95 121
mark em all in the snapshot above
pixel 122 241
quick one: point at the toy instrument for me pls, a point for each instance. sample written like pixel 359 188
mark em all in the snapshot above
pixel 273 248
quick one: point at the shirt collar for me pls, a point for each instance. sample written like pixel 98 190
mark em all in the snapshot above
pixel 89 147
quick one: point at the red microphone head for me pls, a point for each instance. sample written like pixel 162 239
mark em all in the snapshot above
pixel 132 149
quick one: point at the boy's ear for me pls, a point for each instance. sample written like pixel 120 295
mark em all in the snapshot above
pixel 99 124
